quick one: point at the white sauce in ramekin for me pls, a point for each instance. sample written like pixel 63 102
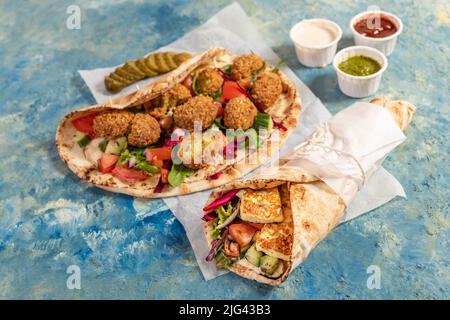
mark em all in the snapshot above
pixel 314 35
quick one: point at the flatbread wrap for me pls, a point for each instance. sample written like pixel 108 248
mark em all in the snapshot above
pixel 263 227
pixel 211 120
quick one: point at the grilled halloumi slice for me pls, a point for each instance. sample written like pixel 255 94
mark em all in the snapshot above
pixel 261 206
pixel 276 239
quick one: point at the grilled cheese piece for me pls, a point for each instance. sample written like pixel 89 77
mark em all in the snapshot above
pixel 261 206
pixel 276 239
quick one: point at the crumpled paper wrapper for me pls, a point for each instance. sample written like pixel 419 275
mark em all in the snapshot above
pixel 232 29
pixel 346 150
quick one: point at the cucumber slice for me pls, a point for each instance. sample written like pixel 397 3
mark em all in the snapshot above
pixel 254 256
pixel 269 264
pixel 263 121
pixel 102 145
pixel 116 146
pixel 82 139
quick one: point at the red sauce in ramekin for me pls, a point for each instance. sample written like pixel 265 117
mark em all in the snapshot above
pixel 368 27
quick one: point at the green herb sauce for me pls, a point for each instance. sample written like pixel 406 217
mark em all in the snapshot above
pixel 359 66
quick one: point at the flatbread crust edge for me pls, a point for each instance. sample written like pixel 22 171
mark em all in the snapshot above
pixel 87 171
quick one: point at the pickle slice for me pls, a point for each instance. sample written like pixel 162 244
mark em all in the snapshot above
pixel 161 63
pixel 140 63
pixel 130 66
pixel 113 85
pixel 168 57
pixel 181 57
pixel 151 63
pixel 127 75
pixel 120 79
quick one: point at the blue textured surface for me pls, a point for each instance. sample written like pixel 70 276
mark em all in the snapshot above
pixel 49 219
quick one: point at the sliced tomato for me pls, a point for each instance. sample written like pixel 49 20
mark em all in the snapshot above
pixel 85 124
pixel 219 109
pixel 187 82
pixel 129 175
pixel 164 175
pixel 157 162
pixel 231 89
pixel 245 84
pixel 242 233
pixel 163 153
pixel 107 162
pixel 257 226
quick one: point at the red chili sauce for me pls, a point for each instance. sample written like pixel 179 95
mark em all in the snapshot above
pixel 368 27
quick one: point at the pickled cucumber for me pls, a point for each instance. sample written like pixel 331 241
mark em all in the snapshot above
pixel 144 67
pixel 125 74
pixel 161 63
pixel 168 57
pixel 151 63
pixel 182 57
pixel 130 66
pixel 120 79
pixel 113 85
pixel 140 63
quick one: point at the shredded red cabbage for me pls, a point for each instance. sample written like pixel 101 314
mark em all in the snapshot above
pixel 215 176
pixel 221 201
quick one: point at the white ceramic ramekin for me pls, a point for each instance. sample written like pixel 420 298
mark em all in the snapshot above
pixel 385 45
pixel 354 86
pixel 318 56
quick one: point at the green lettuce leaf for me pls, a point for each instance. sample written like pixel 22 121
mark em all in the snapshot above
pixel 178 173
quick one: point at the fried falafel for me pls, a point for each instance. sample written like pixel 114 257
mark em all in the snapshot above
pixel 159 106
pixel 266 89
pixel 199 108
pixel 245 66
pixel 113 124
pixel 179 93
pixel 239 113
pixel 144 130
pixel 209 81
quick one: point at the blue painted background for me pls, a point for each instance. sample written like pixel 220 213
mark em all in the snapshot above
pixel 49 219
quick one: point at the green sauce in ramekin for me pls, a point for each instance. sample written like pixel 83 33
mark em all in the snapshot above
pixel 360 66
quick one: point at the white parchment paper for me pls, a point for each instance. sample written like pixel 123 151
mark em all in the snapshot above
pixel 231 28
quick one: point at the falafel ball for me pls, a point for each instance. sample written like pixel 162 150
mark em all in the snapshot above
pixel 199 108
pixel 113 124
pixel 144 130
pixel 266 89
pixel 239 113
pixel 159 106
pixel 209 81
pixel 245 66
pixel 179 93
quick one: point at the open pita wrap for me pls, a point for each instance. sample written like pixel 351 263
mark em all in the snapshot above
pixel 251 241
pixel 86 162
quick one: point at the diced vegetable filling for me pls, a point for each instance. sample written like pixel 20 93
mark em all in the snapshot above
pixel 233 238
pixel 141 138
